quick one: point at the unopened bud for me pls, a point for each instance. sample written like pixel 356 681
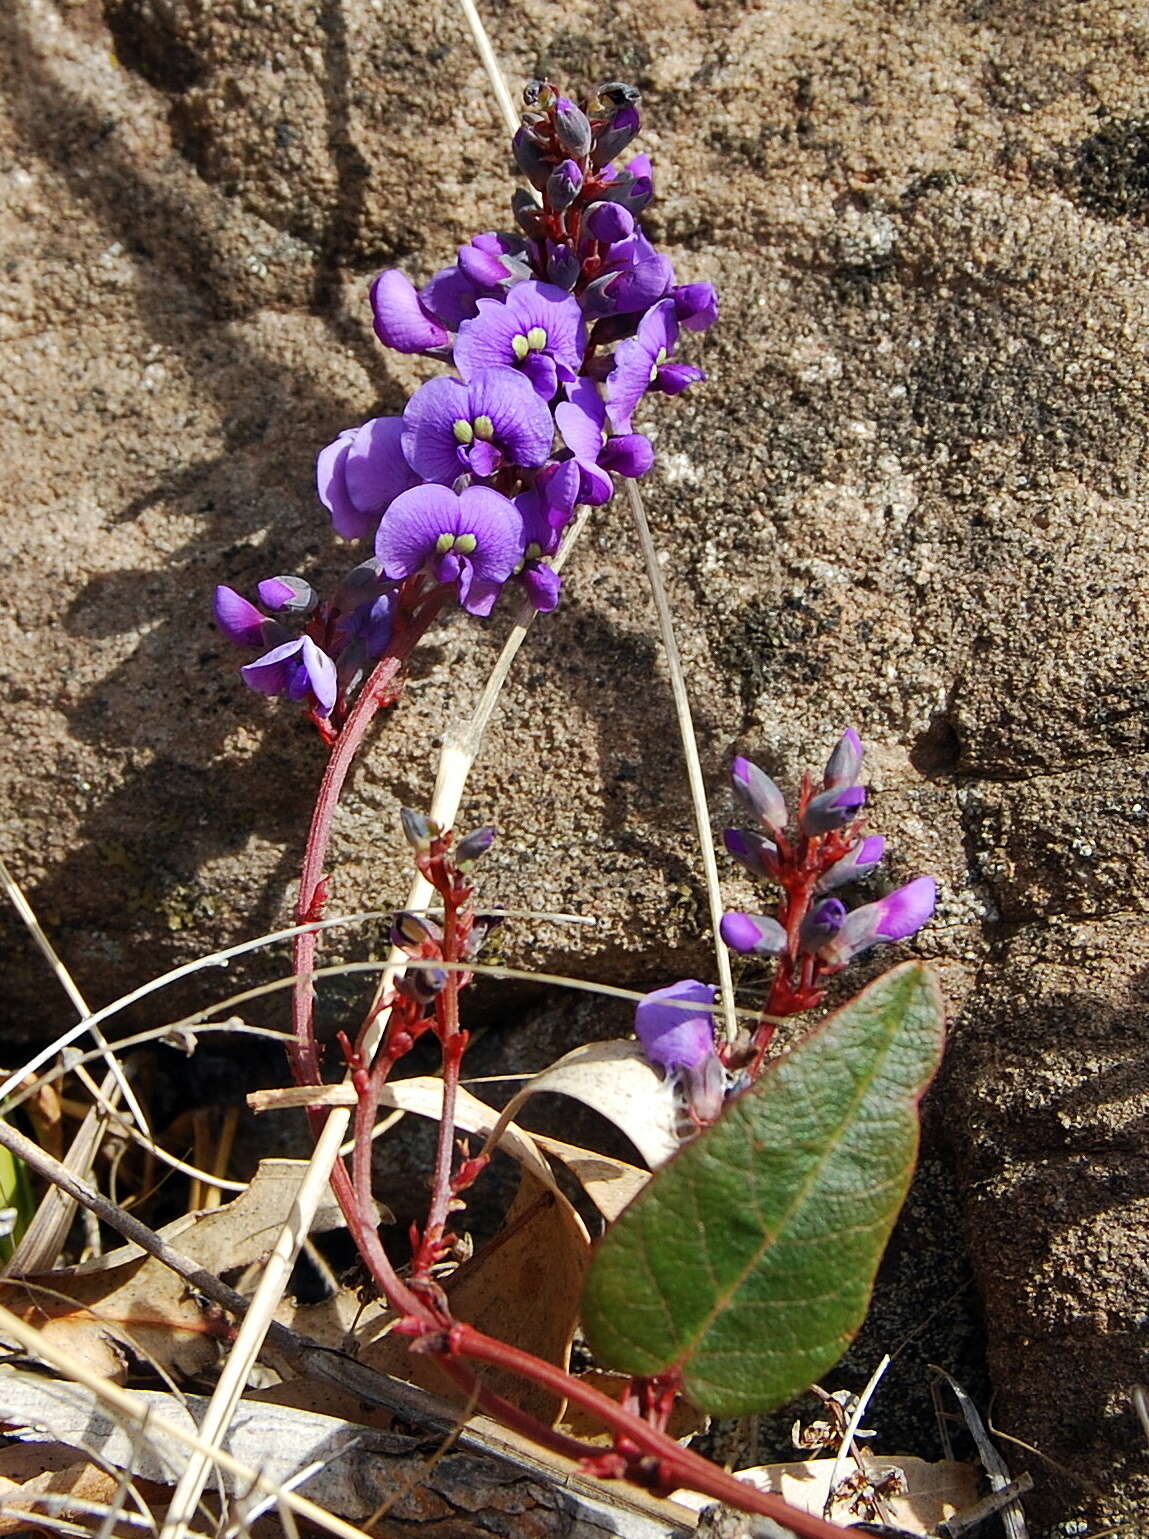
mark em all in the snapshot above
pixel 563 267
pixel 820 925
pixel 288 595
pixel 528 214
pixel 758 794
pixel 572 128
pixel 418 830
pixel 615 136
pixel 753 934
pixel 564 185
pixel 410 931
pixel 861 860
pixel 845 764
pixel 755 851
pixel 422 984
pixel 609 222
pixel 474 845
pixel 531 158
pixel 832 809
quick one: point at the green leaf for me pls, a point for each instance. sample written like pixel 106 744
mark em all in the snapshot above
pixel 15 1192
pixel 749 1259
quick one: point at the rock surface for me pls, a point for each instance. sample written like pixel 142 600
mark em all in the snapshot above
pixel 908 499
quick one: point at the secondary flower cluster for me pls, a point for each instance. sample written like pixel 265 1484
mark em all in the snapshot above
pixel 554 334
pixel 812 934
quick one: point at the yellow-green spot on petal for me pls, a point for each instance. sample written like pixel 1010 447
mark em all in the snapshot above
pixel 444 543
pixel 484 428
pixel 465 544
pixel 520 346
pixel 464 432
pixel 536 339
pixel 658 363
pixel 533 552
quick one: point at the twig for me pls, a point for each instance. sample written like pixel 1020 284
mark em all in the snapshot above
pixel 847 1445
pixel 690 753
pixel 966 1521
pixel 1012 1517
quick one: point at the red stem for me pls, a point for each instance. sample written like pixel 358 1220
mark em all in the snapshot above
pixel 677 1466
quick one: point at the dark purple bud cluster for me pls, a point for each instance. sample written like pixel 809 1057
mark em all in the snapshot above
pixel 555 334
pixel 810 936
pixel 813 934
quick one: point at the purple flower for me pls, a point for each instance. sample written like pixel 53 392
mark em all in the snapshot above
pixel 680 1041
pixel 758 794
pixel 402 320
pixel 361 473
pixel 297 669
pixel 641 364
pixel 582 422
pixel 891 918
pixel 452 429
pixel 546 510
pixel 473 538
pixel 287 595
pixel 633 186
pixel 539 330
pixel 845 764
pixel 832 809
pixel 861 860
pixel 753 934
pixel 695 305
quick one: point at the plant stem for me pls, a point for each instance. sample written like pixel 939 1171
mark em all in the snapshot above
pixel 677 1467
pixel 375 693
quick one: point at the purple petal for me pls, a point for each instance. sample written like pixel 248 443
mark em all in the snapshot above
pixel 272 673
pixel 451 297
pixel 674 378
pixel 428 437
pixel 757 853
pixel 609 222
pixel 861 860
pixel 673 1035
pixel 542 585
pixel 401 319
pixel 321 676
pixel 331 484
pixel 239 620
pixel 582 419
pixel 523 427
pixel 820 925
pixel 907 909
pixel 376 471
pixel 634 361
pixel 415 520
pixel 628 454
pixel 753 934
pixel 287 595
pixel 498 529
pixel 696 305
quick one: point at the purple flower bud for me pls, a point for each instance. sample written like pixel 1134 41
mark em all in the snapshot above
pixel 564 185
pixel 239 620
pixel 753 934
pixel 756 853
pixel 531 157
pixel 572 128
pixel 410 931
pixel 634 186
pixel 616 135
pixel 892 918
pixel 563 266
pixel 675 1034
pixel 845 764
pixel 473 845
pixel 758 794
pixel 288 595
pixel 861 860
pixel 820 926
pixel 627 454
pixel 832 809
pixel 422 984
pixel 418 830
pixel 609 222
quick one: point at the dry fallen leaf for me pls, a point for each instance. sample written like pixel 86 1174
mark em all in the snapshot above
pixel 933 1492
pixel 129 1299
pixel 31 1471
